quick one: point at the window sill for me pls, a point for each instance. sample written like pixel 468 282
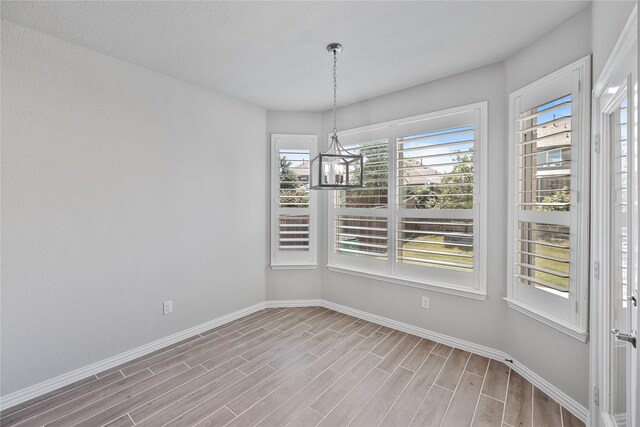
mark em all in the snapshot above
pixel 554 322
pixel 452 290
pixel 294 266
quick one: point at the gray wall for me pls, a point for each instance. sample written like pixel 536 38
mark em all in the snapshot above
pixel 608 20
pixel 116 197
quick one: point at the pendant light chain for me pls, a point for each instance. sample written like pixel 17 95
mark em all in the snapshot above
pixel 335 90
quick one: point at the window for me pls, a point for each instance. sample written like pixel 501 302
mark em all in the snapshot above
pixel 548 242
pixel 419 219
pixel 293 241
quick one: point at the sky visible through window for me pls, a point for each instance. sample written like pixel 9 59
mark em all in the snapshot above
pixel 564 111
pixel 439 142
pixel 296 157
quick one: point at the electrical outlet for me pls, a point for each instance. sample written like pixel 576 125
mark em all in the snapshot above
pixel 167 307
pixel 425 302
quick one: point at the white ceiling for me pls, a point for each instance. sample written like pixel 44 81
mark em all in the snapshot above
pixel 272 54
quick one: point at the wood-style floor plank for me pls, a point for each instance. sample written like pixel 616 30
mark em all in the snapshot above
pixel 326 323
pixel 330 343
pixel 123 421
pixel 200 409
pixel 518 409
pixel 570 420
pixel 87 399
pixel 159 402
pixel 272 352
pixel 349 407
pixel 495 383
pixel 179 407
pixel 229 349
pixel 385 330
pixel 477 365
pixel 333 355
pixel 210 341
pixel 271 402
pixel 418 355
pixel 396 418
pixel 488 413
pixel 546 411
pixel 193 351
pixel 277 321
pixel 31 404
pixel 257 393
pixel 350 359
pixel 287 412
pixel 368 328
pixel 442 350
pixel 419 386
pixel 146 356
pixel 219 418
pixel 40 407
pixel 334 394
pixel 388 343
pixel 241 323
pixel 375 410
pixel 306 347
pixel 463 403
pixel 433 408
pixel 307 418
pixel 393 359
pixel 298 366
pixel 452 370
pixel 120 403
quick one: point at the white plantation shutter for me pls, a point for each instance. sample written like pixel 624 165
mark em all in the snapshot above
pixel 361 216
pixel 544 201
pixel 293 207
pixel 549 195
pixel 361 235
pixel 417 219
pixel 437 175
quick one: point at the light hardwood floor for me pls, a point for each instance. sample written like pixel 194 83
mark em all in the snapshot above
pixel 299 367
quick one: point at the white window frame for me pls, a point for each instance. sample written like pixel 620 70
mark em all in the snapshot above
pixel 440 280
pixel 292 260
pixel 568 315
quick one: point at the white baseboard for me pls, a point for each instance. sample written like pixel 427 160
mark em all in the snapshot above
pixel 78 374
pixel 44 387
pixel 294 303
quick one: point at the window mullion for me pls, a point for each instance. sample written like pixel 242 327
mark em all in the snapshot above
pixel 393 200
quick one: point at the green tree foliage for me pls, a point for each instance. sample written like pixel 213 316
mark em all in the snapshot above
pixel 376 174
pixel 454 192
pixel 288 179
pixel 293 192
pixel 559 196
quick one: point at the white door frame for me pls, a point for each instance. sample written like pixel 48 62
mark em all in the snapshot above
pixel 600 334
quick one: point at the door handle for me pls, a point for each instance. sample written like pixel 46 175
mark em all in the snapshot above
pixel 630 338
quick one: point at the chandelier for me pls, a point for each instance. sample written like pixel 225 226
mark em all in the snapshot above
pixel 336 168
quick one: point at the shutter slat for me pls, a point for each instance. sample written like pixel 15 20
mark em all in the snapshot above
pixel 360 236
pixel 542 112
